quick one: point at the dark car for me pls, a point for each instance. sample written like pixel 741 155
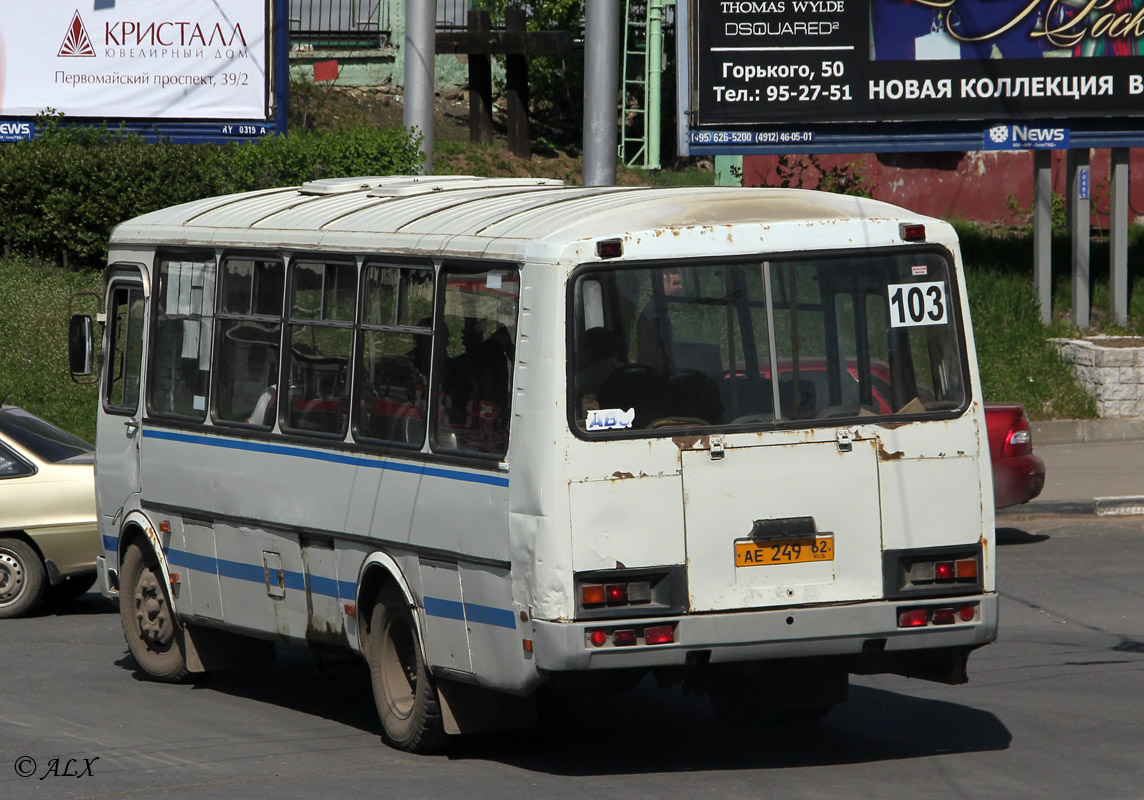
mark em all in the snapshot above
pixel 1018 475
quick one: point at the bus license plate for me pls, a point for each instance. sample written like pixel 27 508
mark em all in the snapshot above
pixel 749 553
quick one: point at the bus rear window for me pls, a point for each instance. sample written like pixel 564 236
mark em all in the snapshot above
pixel 796 342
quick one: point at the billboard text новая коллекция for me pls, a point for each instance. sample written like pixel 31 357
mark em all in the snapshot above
pixel 813 61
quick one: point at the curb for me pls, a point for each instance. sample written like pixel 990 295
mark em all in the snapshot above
pixel 1079 431
pixel 1097 507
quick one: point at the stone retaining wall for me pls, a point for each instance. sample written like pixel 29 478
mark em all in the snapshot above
pixel 1111 369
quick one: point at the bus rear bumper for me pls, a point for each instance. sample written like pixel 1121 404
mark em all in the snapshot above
pixel 763 635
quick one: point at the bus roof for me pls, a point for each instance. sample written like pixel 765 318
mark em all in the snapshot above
pixel 516 218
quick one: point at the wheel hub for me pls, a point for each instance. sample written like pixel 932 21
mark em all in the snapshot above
pixel 399 669
pixel 11 578
pixel 153 613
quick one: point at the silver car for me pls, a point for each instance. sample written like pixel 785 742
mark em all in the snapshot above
pixel 48 534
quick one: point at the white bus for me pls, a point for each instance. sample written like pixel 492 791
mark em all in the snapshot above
pixel 490 434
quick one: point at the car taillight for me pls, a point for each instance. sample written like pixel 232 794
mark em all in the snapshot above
pixel 1019 439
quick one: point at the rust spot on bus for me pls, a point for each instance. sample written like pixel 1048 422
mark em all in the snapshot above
pixel 622 476
pixel 690 442
pixel 886 455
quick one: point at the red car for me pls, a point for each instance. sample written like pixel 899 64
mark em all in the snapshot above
pixel 1018 475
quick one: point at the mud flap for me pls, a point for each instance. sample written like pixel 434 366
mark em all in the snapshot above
pixel 471 709
pixel 947 665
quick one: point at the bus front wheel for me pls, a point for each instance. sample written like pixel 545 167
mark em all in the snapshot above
pixel 403 690
pixel 154 634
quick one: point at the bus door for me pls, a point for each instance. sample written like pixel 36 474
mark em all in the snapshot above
pixel 782 524
pixel 794 515
pixel 118 429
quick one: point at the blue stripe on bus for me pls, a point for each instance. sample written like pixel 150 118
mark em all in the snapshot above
pixel 329 457
pixel 472 612
pixel 326 587
pixel 487 615
pixel 448 609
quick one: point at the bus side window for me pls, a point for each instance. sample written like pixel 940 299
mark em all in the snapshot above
pixel 474 361
pixel 249 334
pixel 395 347
pixel 320 340
pixel 184 319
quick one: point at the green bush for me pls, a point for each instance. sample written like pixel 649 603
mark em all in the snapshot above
pixel 1015 360
pixel 61 194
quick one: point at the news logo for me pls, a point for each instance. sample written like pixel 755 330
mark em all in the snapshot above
pixel 13 131
pixel 1026 137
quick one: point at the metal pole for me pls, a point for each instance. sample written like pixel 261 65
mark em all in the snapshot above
pixel 1081 300
pixel 1043 232
pixel 420 49
pixel 1119 233
pixel 654 78
pixel 601 88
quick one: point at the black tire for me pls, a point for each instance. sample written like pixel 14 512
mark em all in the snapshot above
pixel 403 689
pixel 22 578
pixel 69 588
pixel 153 632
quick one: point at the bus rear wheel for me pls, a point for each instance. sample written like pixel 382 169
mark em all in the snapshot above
pixel 153 632
pixel 403 690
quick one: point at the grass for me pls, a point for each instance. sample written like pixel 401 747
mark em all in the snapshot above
pixel 33 343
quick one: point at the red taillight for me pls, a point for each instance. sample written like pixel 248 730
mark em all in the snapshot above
pixel 912 232
pixel 944 571
pixel 624 638
pixel 943 616
pixel 1019 439
pixel 912 618
pixel 598 637
pixel 659 634
pixel 967 612
pixel 616 594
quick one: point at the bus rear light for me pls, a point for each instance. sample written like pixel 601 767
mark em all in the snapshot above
pixel 912 232
pixel 939 571
pixel 598 637
pixel 592 595
pixel 966 569
pixel 659 634
pixel 943 616
pixel 913 618
pixel 939 615
pixel 639 592
pixel 616 594
pixel 630 592
pixel 624 638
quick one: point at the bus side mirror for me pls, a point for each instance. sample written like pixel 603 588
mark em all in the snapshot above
pixel 81 345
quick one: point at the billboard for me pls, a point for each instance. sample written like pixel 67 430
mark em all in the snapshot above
pixel 911 73
pixel 195 65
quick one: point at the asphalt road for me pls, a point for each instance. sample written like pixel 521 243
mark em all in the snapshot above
pixel 1053 710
